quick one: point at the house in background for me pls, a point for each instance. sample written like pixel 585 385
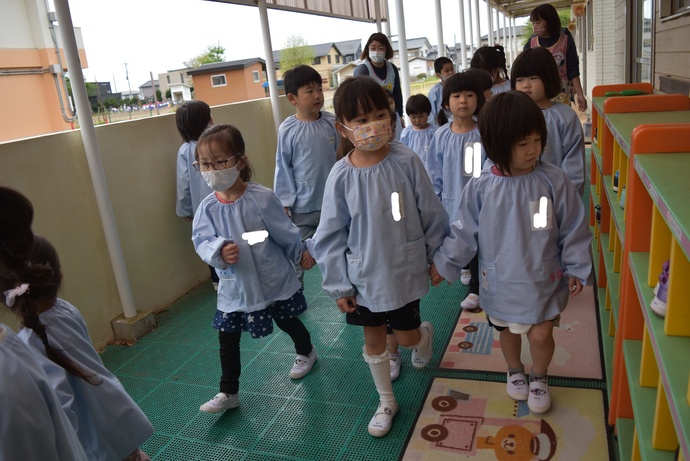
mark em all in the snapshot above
pixel 420 65
pixel 416 47
pixel 147 92
pixel 519 30
pixel 179 82
pixel 230 81
pixel 103 94
pixel 326 57
pixel 350 50
pixel 33 66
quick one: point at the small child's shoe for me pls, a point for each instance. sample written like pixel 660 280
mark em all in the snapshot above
pixel 421 355
pixel 471 302
pixel 220 402
pixel 621 202
pixel 658 304
pixel 615 181
pixel 516 386
pixel 396 364
pixel 303 364
pixel 465 276
pixel 539 399
pixel 382 421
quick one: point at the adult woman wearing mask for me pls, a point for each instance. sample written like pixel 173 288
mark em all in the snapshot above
pixel 376 64
pixel 547 33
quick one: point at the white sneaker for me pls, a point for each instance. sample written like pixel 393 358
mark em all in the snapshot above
pixel 220 402
pixel 539 399
pixel 396 364
pixel 516 386
pixel 382 421
pixel 303 364
pixel 421 356
pixel 471 302
pixel 465 276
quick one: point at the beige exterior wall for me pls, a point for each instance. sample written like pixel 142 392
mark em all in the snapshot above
pixel 139 160
pixel 239 86
pixel 600 67
pixel 672 48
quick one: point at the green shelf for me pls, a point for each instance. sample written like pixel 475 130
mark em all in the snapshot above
pixel 623 124
pixel 607 342
pixel 613 278
pixel 625 431
pixel 666 178
pixel 598 103
pixel 596 153
pixel 643 402
pixel 616 210
pixel 671 353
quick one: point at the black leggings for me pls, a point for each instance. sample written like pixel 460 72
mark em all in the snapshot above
pixel 230 364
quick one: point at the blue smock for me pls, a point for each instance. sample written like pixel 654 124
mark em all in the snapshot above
pixel 264 273
pixel 110 426
pixel 524 260
pixel 33 425
pixel 435 98
pixel 305 155
pixel 418 140
pixel 379 229
pixel 446 165
pixel 191 187
pixel 565 143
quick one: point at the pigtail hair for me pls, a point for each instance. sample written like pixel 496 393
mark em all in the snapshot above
pixel 441 118
pixel 43 275
pixel 344 147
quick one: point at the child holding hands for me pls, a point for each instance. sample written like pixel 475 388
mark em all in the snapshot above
pixel 307 142
pixel 527 222
pixel 378 230
pixel 242 231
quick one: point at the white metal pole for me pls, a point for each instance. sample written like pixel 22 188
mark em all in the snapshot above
pixel 463 40
pixel 478 33
pixel 387 24
pixel 505 35
pixel 439 30
pixel 498 26
pixel 515 46
pixel 377 12
pixel 270 64
pixel 471 34
pixel 490 33
pixel 93 157
pixel 402 46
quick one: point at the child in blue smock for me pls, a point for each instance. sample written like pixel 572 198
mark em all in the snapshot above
pixel 307 142
pixel 444 69
pixel 109 425
pixel 242 230
pixel 535 72
pixel 192 118
pixel 418 135
pixel 30 406
pixel 379 227
pixel 528 223
pixel 492 59
pixel 456 155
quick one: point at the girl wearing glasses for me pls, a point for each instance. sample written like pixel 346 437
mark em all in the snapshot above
pixel 242 231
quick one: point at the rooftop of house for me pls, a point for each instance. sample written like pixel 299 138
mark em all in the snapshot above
pixel 226 65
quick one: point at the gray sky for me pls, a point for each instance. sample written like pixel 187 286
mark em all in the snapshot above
pixel 159 35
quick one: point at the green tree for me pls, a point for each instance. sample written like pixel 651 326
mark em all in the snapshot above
pixel 212 53
pixel 159 95
pixel 168 94
pixel 296 52
pixel 528 30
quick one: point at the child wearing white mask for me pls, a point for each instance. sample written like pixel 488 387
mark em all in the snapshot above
pixel 376 64
pixel 375 239
pixel 242 230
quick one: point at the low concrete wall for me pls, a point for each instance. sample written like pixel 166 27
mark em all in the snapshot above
pixel 139 160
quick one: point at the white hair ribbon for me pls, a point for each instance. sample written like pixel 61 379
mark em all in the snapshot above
pixel 11 295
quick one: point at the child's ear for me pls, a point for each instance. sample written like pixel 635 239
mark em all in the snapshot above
pixel 341 130
pixel 292 98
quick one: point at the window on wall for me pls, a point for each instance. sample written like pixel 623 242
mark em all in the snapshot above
pixel 316 61
pixel 337 59
pixel 167 77
pixel 256 76
pixel 673 8
pixel 181 77
pixel 643 19
pixel 218 80
pixel 329 59
pixel 590 26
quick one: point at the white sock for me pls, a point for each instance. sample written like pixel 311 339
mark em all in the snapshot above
pixel 381 372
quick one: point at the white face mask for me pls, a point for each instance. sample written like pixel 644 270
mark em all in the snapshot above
pixel 221 180
pixel 377 56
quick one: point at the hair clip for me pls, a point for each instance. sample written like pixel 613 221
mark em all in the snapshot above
pixel 11 295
